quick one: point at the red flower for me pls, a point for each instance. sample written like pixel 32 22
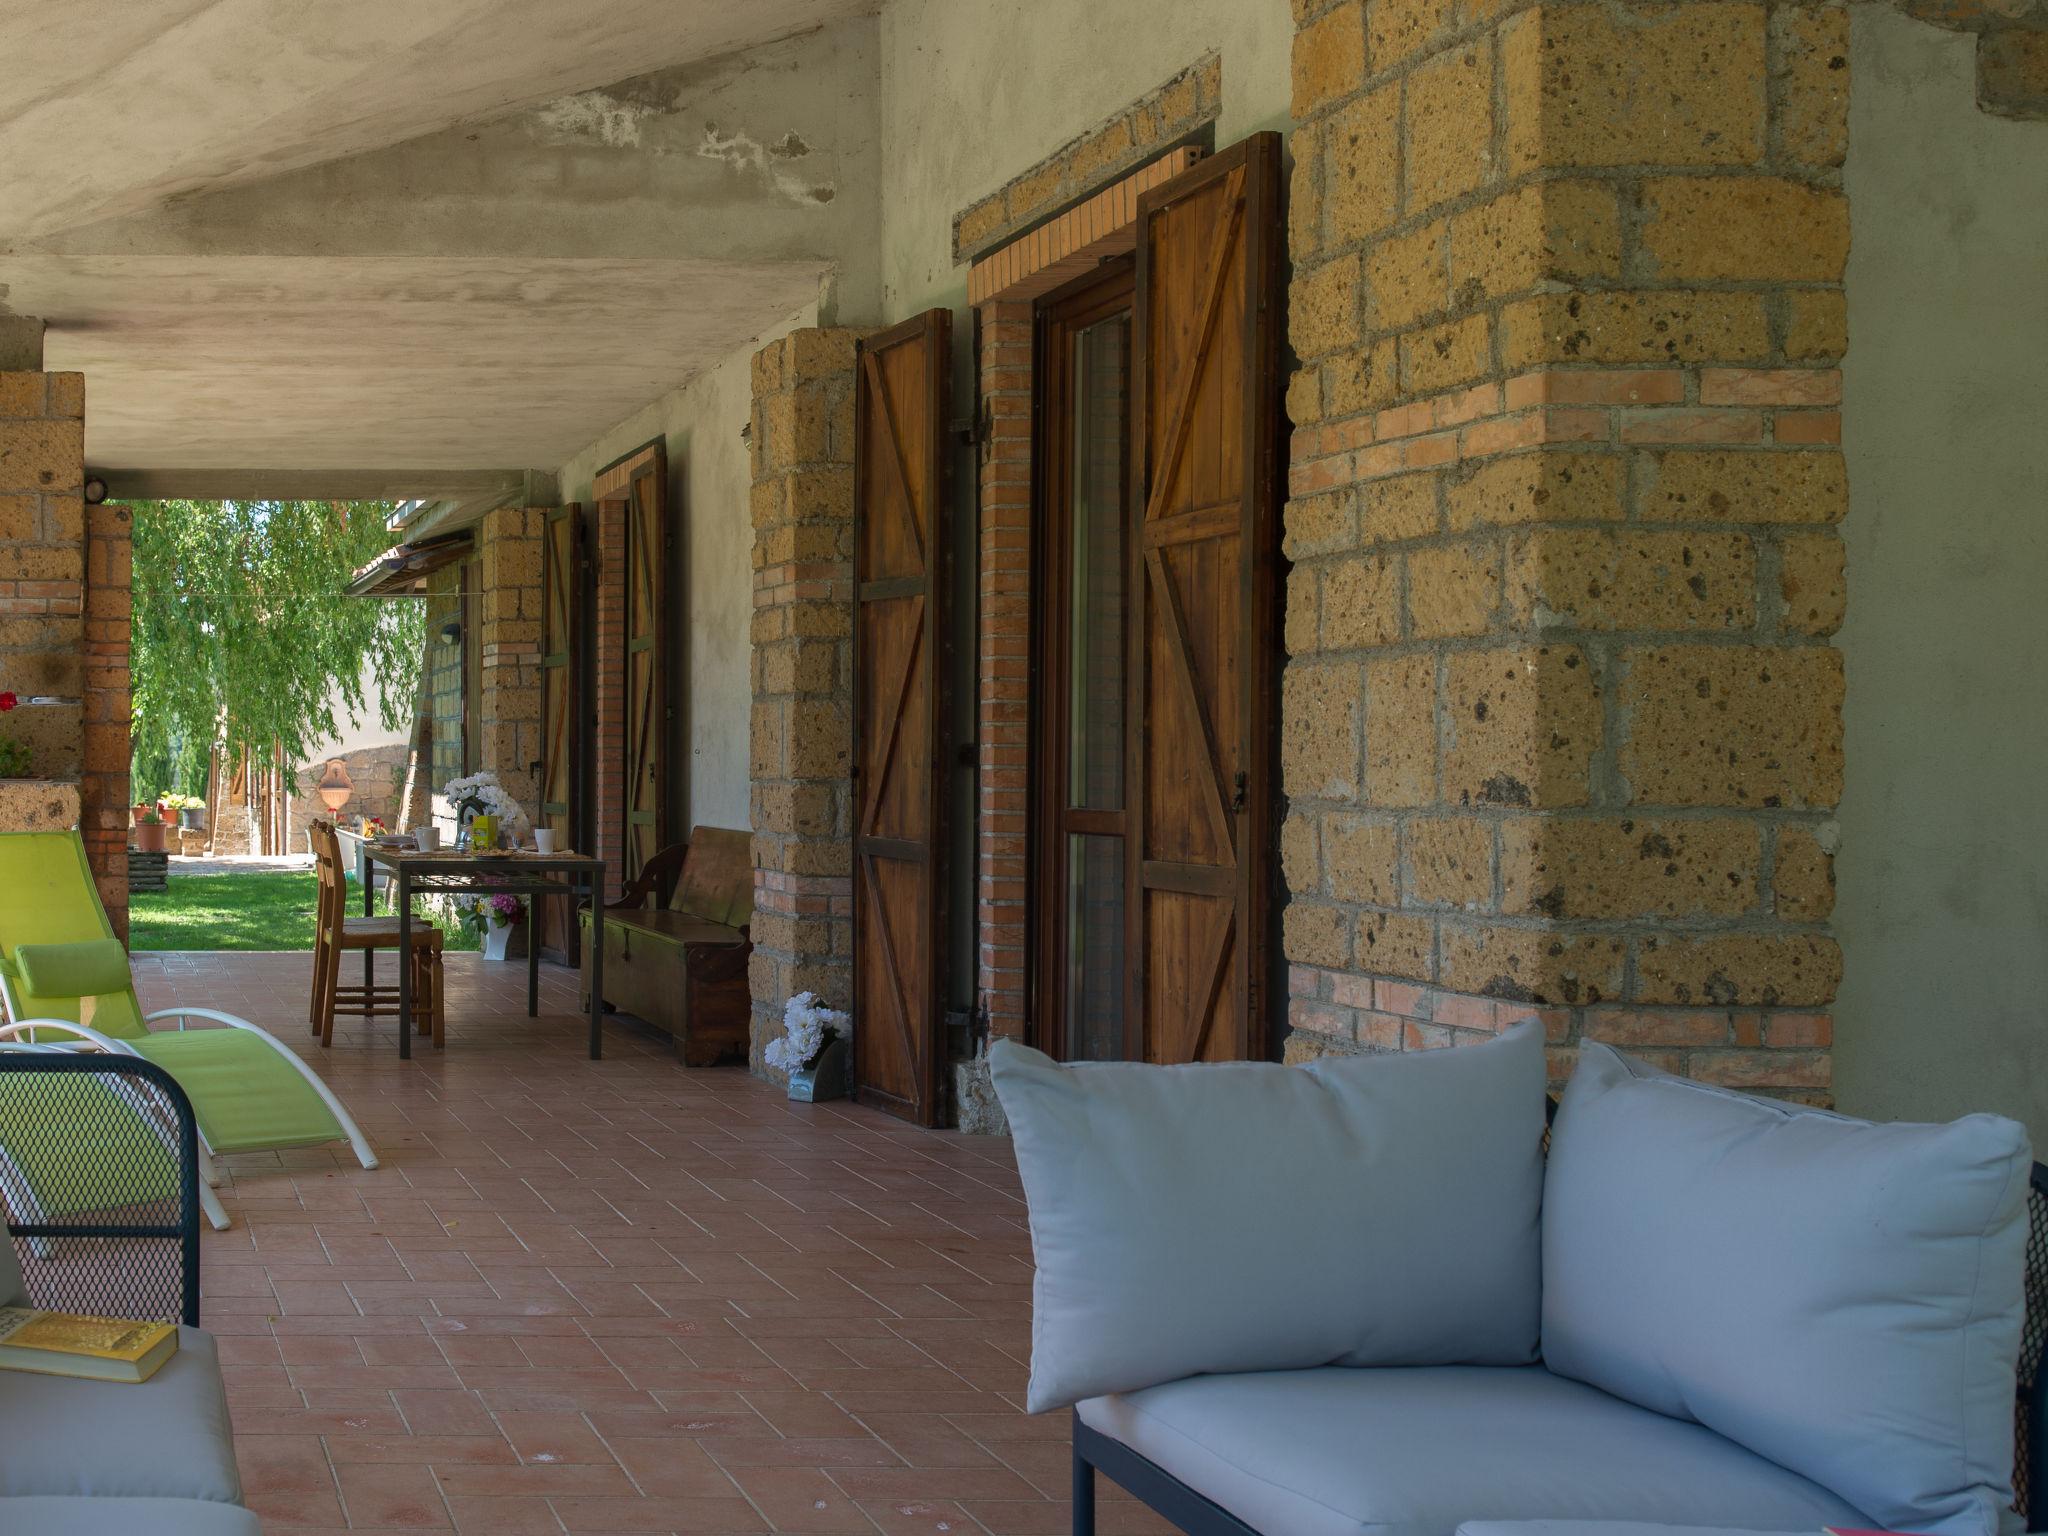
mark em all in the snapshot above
pixel 7 702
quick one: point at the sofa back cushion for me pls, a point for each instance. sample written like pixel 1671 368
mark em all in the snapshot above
pixel 1841 1297
pixel 1374 1210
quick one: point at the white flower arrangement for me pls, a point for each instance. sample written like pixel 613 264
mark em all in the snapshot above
pixel 481 793
pixel 808 1027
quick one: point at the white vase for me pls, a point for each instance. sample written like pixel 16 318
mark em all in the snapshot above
pixel 497 938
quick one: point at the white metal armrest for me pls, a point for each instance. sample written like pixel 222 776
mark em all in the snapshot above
pixel 84 1035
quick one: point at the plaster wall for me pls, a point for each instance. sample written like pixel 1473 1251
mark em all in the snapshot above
pixel 710 476
pixel 1942 903
pixel 975 92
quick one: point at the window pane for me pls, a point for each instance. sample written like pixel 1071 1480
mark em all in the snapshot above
pixel 1095 948
pixel 1095 698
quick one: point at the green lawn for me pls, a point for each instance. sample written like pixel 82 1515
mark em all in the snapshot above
pixel 263 909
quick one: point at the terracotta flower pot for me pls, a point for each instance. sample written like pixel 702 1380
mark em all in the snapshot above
pixel 149 837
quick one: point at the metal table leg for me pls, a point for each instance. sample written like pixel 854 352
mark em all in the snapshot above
pixel 404 885
pixel 594 884
pixel 532 957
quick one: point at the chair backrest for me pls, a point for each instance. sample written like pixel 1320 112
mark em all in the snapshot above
pixel 717 882
pixel 99 1166
pixel 47 896
pixel 328 875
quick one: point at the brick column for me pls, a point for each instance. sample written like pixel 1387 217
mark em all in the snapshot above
pixel 801 748
pixel 103 779
pixel 508 703
pixel 1561 723
pixel 1003 648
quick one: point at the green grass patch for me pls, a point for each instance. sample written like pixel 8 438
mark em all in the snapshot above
pixel 260 909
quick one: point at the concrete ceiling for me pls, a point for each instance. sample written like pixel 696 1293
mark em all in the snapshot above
pixel 416 235
pixel 304 363
pixel 108 107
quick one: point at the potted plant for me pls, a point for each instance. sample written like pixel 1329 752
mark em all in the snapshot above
pixel 191 811
pixel 494 918
pixel 149 830
pixel 15 757
pixel 812 1049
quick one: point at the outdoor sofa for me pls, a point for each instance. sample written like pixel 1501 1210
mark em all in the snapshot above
pixel 1358 1297
pixel 94 1458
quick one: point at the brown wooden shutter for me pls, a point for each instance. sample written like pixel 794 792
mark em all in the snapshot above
pixel 644 785
pixel 900 565
pixel 562 710
pixel 1203 662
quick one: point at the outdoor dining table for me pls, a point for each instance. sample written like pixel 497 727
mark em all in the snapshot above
pixel 504 872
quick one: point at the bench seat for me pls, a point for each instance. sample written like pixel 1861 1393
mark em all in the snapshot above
pixel 1342 1451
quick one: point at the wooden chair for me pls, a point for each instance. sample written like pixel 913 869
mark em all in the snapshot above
pixel 335 933
pixel 676 945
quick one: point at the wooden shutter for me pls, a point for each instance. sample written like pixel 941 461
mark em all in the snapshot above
pixel 900 567
pixel 562 710
pixel 1203 661
pixel 643 786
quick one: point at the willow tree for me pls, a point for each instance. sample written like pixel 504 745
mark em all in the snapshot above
pixel 245 639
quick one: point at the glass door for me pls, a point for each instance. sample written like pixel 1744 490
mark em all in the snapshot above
pixel 1078 726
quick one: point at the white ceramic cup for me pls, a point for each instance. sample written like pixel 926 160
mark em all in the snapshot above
pixel 544 839
pixel 426 838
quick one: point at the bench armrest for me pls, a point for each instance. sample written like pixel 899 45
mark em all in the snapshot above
pixel 657 879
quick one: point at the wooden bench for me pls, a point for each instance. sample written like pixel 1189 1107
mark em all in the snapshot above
pixel 676 945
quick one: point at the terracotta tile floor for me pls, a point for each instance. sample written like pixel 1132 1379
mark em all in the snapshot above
pixel 614 1296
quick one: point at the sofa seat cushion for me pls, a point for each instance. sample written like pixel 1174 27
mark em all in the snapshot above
pixel 168 1438
pixel 1418 1452
pixel 125 1517
pixel 1606 1528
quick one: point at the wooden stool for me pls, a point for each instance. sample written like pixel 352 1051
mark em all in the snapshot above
pixel 336 933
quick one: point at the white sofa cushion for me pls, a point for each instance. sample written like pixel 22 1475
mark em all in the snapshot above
pixel 1842 1297
pixel 1606 1528
pixel 1337 1452
pixel 1376 1210
pixel 168 1438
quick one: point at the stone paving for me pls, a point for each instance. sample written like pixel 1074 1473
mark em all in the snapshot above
pixel 615 1296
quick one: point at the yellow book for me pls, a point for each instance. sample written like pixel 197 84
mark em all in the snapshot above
pixel 98 1348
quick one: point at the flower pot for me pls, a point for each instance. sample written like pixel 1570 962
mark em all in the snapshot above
pixel 149 837
pixel 193 819
pixel 497 940
pixel 823 1076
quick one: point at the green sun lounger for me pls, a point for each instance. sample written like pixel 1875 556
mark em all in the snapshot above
pixel 60 963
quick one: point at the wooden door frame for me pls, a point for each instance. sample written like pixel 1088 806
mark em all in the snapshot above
pixel 937 642
pixel 1258 575
pixel 573 661
pixel 615 483
pixel 1048 734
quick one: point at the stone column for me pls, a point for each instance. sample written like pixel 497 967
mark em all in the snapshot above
pixel 801 749
pixel 508 703
pixel 1561 722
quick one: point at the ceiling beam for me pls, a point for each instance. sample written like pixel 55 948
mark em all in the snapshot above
pixel 535 488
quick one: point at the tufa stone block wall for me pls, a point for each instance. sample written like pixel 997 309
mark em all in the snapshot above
pixel 64 617
pixel 1561 719
pixel 508 666
pixel 801 736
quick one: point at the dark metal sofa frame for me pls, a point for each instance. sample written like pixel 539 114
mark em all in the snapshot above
pixel 1198 1516
pixel 145 1263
